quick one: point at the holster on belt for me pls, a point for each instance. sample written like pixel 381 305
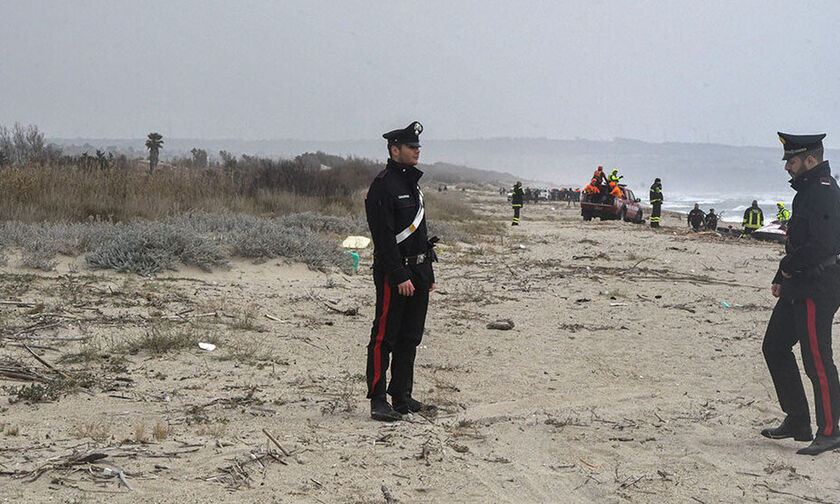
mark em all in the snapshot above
pixel 430 248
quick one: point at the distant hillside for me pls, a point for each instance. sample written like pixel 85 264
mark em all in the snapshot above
pixel 683 167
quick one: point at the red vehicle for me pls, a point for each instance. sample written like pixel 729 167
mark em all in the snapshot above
pixel 604 206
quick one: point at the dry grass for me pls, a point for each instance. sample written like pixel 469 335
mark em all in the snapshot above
pixel 214 430
pixel 161 431
pixel 69 193
pixel 165 338
pixel 140 434
pixel 96 430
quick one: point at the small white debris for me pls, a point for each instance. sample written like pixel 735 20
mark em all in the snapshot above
pixel 207 346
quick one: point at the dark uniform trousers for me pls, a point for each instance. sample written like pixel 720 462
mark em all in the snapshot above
pixel 397 330
pixel 656 213
pixel 806 320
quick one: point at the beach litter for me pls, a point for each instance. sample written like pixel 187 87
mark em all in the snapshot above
pixel 501 325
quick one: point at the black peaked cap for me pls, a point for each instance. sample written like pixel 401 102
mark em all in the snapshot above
pixel 797 144
pixel 410 135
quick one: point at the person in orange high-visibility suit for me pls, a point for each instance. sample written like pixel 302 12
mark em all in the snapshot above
pixel 592 188
pixel 615 190
pixel 599 176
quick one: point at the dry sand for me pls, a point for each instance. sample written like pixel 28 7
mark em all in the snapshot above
pixel 624 379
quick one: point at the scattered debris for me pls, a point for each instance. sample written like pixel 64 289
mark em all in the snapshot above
pixel 501 325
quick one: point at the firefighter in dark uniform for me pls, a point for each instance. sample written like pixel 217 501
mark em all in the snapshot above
pixel 402 273
pixel 753 218
pixel 807 286
pixel 516 199
pixel 656 201
pixel 696 217
pixel 711 220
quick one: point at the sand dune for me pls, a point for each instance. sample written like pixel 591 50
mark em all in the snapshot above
pixel 624 379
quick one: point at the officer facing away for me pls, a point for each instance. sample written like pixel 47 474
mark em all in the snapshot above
pixel 656 201
pixel 402 273
pixel 753 218
pixel 807 286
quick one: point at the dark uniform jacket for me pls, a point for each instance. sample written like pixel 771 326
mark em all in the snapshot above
pixel 711 221
pixel 696 217
pixel 753 217
pixel 813 232
pixel 656 193
pixel 517 197
pixel 391 205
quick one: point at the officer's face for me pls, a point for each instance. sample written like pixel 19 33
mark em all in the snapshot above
pixel 795 166
pixel 407 155
pixel 798 165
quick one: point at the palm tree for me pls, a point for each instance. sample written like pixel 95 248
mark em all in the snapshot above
pixel 154 143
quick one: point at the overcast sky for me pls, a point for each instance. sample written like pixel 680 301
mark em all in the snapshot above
pixel 729 72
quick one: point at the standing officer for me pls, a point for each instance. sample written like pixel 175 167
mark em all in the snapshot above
pixel 753 218
pixel 656 201
pixel 402 273
pixel 516 200
pixel 808 287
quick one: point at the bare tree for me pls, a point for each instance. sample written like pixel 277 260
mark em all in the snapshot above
pixel 154 143
pixel 199 159
pixel 24 145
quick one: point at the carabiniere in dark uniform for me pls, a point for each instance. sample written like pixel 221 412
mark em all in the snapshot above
pixel 402 252
pixel 808 287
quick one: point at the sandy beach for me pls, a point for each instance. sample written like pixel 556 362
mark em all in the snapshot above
pixel 633 373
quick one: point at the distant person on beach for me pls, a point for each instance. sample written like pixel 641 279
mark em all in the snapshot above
pixel 402 273
pixel 753 218
pixel 696 217
pixel 711 220
pixel 517 197
pixel 783 215
pixel 615 177
pixel 600 176
pixel 807 285
pixel 656 199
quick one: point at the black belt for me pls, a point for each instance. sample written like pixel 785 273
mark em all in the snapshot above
pixel 415 259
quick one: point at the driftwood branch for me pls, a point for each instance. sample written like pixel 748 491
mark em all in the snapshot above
pixel 45 363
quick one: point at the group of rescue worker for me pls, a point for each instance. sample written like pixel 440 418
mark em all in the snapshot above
pixel 602 185
pixel 753 217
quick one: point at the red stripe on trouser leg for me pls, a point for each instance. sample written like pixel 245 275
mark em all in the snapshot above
pixel 380 335
pixel 818 363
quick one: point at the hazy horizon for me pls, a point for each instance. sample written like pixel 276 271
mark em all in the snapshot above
pixel 728 73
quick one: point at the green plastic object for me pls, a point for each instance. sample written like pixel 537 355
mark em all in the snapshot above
pixel 353 257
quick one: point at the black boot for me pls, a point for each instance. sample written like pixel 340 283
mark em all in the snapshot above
pixel 412 405
pixel 821 444
pixel 382 411
pixel 799 430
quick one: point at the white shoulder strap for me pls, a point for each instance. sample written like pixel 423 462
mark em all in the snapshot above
pixel 421 213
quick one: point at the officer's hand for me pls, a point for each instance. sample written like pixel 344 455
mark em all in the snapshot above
pixel 776 290
pixel 432 288
pixel 406 288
